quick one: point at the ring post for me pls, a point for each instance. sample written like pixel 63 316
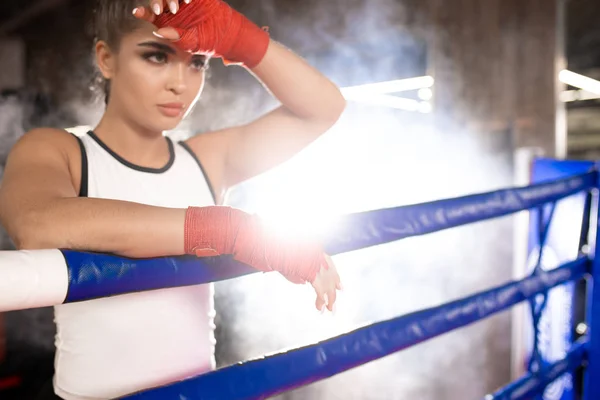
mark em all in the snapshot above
pixel 592 374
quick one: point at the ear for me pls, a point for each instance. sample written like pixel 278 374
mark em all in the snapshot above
pixel 105 59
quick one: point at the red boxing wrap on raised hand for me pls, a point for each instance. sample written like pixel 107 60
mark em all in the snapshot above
pixel 212 231
pixel 213 27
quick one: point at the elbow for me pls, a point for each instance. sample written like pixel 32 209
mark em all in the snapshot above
pixel 336 109
pixel 332 113
pixel 339 107
pixel 24 243
pixel 24 240
pixel 27 234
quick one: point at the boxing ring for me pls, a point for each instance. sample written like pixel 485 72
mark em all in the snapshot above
pixel 30 279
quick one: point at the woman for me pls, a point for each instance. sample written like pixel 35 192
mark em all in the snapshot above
pixel 126 189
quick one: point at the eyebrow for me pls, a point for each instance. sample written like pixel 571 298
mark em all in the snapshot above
pixel 158 46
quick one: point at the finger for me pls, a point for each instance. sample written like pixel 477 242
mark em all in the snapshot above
pixel 167 33
pixel 331 267
pixel 144 13
pixel 156 6
pixel 173 6
pixel 320 302
pixel 331 296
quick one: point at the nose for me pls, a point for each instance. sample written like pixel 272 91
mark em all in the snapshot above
pixel 177 80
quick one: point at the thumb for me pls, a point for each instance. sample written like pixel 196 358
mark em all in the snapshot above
pixel 144 13
pixel 168 33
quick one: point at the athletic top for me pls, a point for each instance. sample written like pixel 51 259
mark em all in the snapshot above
pixel 114 346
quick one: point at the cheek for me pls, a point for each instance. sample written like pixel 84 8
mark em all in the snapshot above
pixel 142 80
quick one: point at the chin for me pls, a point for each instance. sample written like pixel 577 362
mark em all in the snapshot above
pixel 165 124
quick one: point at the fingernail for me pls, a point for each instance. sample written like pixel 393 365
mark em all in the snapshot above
pixel 340 286
pixel 188 1
pixel 162 37
pixel 326 299
pixel 135 10
pixel 156 9
pixel 173 7
pixel 322 310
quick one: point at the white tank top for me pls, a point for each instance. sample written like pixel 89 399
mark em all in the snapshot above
pixel 111 347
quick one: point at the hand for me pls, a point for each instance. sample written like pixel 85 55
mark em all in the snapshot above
pixel 216 230
pixel 156 8
pixel 210 27
pixel 326 285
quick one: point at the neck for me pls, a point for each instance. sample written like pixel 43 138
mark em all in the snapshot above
pixel 131 141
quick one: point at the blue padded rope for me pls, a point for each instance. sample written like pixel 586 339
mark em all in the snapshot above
pixel 534 384
pixel 585 223
pixel 268 376
pixel 543 225
pixel 101 275
pixel 371 228
pixel 580 291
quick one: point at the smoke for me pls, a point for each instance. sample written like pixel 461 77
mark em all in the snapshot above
pixel 377 158
pixel 373 158
pixel 11 128
pixel 364 165
pixel 352 41
pixel 32 330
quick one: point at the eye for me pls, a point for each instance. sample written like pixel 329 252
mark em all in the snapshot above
pixel 156 57
pixel 199 62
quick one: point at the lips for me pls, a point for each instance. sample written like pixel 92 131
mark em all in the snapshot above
pixel 171 109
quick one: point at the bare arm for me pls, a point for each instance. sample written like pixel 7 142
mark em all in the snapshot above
pixel 310 105
pixel 40 209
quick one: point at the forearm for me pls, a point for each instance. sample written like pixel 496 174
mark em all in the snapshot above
pixel 300 88
pixel 99 225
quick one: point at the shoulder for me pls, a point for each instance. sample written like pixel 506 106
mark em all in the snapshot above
pixel 48 139
pixel 50 147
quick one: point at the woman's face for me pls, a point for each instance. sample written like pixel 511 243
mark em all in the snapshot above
pixel 153 83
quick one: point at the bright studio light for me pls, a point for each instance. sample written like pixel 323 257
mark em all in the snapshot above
pixel 425 94
pixel 385 100
pixel 296 218
pixel 395 86
pixel 579 81
pixel 308 195
pixel 378 94
pixel 569 96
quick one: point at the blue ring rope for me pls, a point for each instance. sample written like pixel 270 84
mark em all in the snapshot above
pixel 101 275
pixel 262 378
pixel 371 228
pixel 543 225
pixel 535 383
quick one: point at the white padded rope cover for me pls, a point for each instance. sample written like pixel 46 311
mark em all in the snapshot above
pixel 31 279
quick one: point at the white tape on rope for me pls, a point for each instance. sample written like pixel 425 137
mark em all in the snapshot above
pixel 31 279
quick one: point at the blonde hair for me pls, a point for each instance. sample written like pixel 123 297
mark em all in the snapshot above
pixel 113 19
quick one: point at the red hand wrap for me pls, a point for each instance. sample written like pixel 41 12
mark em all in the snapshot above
pixel 211 231
pixel 212 26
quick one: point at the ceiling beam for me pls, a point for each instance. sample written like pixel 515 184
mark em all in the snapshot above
pixel 39 8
